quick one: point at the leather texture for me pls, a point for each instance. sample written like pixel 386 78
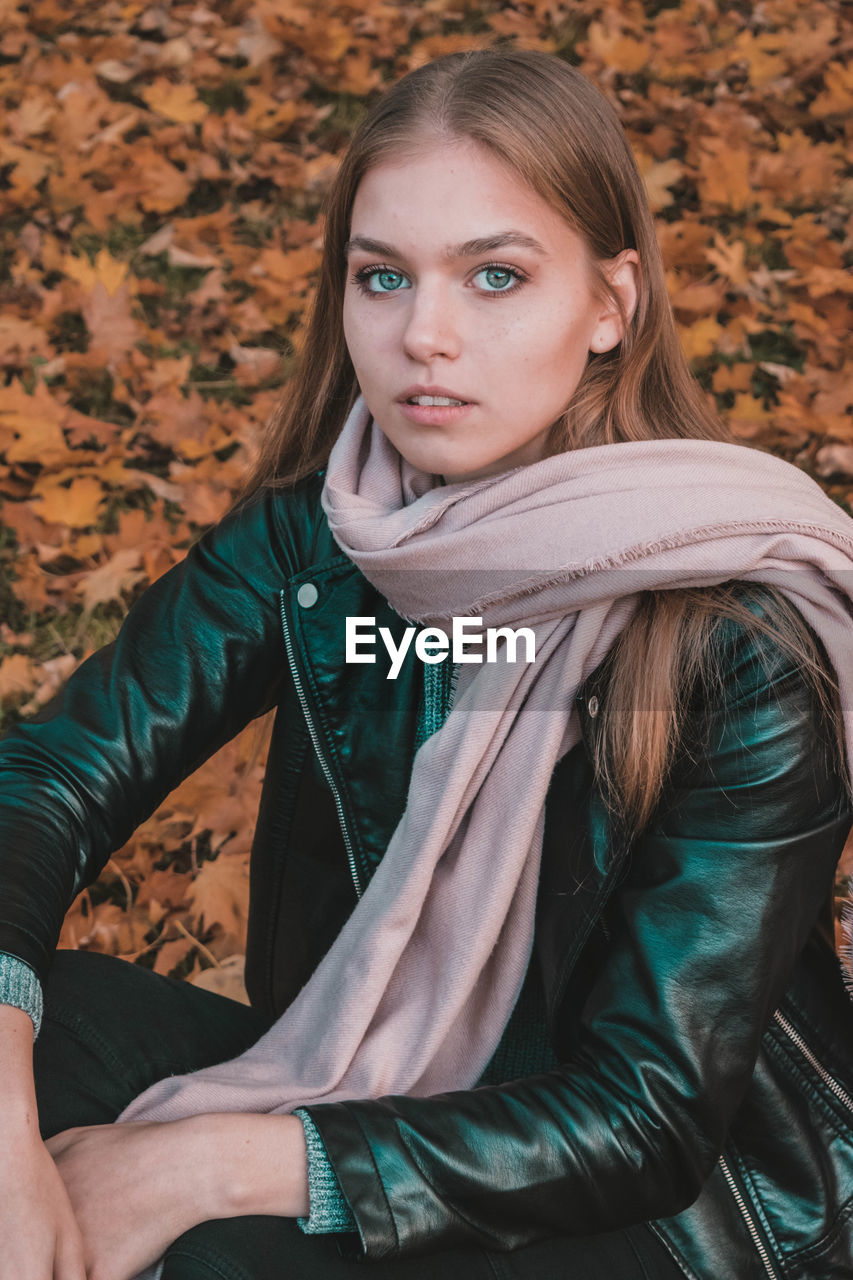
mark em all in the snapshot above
pixel 704 1033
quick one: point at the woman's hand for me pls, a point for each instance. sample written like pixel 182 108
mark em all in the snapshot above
pixel 39 1234
pixel 135 1188
pixel 41 1238
pixel 133 1191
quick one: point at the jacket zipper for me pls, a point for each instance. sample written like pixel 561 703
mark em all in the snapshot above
pixel 832 1084
pixel 835 1088
pixel 749 1220
pixel 327 772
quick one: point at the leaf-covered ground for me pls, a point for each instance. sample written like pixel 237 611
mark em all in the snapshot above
pixel 161 174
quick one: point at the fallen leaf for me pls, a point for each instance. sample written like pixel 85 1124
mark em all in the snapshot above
pixel 110 580
pixel 178 102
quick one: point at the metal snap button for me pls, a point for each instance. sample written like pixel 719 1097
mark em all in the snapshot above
pixel 307 595
pixel 592 706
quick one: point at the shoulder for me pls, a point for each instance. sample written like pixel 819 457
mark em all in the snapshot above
pixel 761 723
pixel 276 531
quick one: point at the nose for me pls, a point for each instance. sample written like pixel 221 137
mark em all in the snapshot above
pixel 432 325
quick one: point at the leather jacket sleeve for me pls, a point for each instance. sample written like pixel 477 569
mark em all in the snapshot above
pixel 198 656
pixel 717 899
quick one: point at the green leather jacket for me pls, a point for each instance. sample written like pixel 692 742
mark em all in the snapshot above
pixel 704 1032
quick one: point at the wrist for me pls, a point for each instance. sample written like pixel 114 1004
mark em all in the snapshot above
pixel 255 1164
pixel 16 1068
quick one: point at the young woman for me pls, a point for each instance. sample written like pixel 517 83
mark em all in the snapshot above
pixel 538 952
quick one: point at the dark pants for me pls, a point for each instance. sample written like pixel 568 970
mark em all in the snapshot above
pixel 111 1029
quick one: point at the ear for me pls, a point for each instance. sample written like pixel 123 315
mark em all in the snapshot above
pixel 623 274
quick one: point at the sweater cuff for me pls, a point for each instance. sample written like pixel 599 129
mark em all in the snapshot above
pixel 327 1209
pixel 20 987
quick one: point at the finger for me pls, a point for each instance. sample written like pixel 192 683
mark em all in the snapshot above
pixel 69 1262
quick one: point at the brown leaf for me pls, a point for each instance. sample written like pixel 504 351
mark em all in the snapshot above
pixel 110 580
pixel 110 323
pixel 220 893
pixel 18 675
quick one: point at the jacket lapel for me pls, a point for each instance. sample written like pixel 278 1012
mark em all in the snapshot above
pixel 365 722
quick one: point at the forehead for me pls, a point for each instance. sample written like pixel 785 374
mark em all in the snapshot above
pixel 449 195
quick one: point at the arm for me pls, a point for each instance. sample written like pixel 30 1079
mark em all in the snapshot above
pixel 198 657
pixel 721 894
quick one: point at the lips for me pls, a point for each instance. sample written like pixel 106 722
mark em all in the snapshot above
pixel 433 396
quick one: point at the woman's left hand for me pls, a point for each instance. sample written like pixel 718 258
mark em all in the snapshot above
pixel 136 1187
pixel 133 1192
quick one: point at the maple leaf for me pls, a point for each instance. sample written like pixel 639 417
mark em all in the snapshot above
pixel 108 582
pixel 36 421
pixel 220 893
pixel 110 323
pixel 177 102
pixel 659 176
pixel 106 271
pixel 78 504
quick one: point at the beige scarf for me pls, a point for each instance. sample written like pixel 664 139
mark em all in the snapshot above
pixel 414 994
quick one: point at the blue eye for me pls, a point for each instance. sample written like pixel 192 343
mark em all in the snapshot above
pixel 498 279
pixel 380 280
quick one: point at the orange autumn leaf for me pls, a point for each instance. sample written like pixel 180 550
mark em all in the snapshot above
pixel 178 102
pixel 18 675
pixel 220 893
pixel 106 271
pixel 77 505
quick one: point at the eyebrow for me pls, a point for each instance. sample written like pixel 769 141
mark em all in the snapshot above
pixel 468 249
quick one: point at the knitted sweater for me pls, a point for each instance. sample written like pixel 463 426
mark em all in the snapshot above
pixel 524 1048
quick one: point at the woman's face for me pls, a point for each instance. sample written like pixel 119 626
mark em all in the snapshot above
pixel 464 285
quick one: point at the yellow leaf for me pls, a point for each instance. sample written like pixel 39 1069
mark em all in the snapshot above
pixel 36 420
pixel 837 97
pixel 618 52
pixel 724 178
pixel 729 259
pixel 78 506
pixel 106 270
pixel 177 102
pixel 700 339
pixel 748 409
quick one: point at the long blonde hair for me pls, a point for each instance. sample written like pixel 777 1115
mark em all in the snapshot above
pixel 548 123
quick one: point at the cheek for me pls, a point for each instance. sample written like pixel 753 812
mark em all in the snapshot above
pixel 367 331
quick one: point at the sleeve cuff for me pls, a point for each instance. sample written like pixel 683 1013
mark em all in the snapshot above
pixel 20 987
pixel 328 1210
